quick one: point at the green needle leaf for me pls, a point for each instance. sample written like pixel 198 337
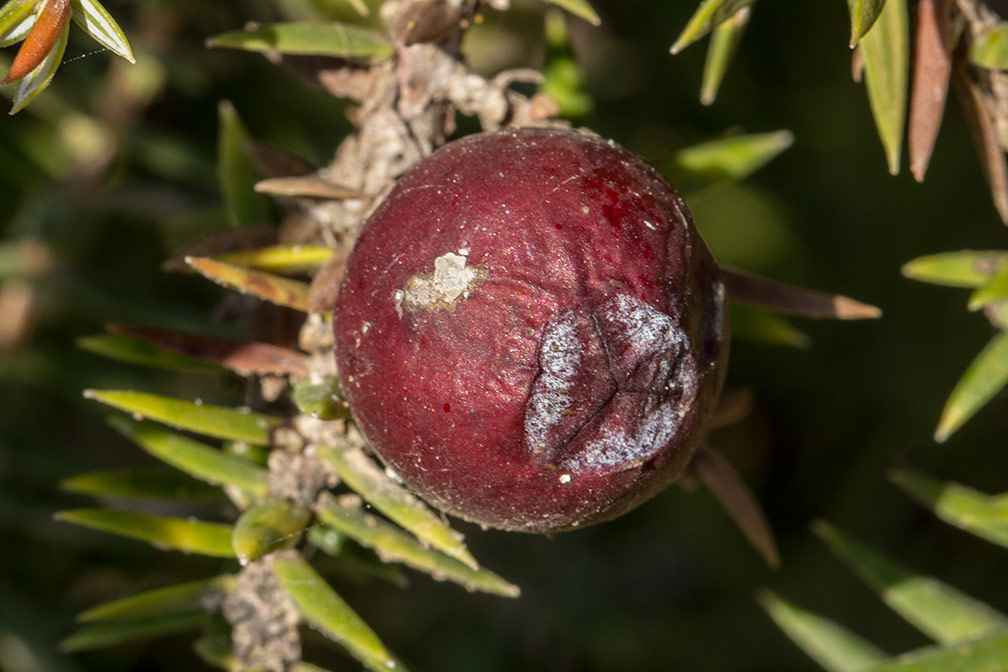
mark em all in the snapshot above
pixel 244 205
pixel 983 515
pixel 363 476
pixel 117 632
pixel 16 19
pixel 394 545
pixel 268 526
pixel 181 597
pixel 99 24
pixel 957 269
pixel 280 258
pixel 863 14
pixel 995 290
pixel 991 49
pixel 831 645
pixel 709 15
pixel 939 611
pixel 189 536
pixel 733 158
pixel 579 8
pixel 160 485
pixel 983 655
pixel 984 378
pixel 724 42
pixel 341 40
pixel 126 349
pixel 885 52
pixel 273 288
pixel 327 612
pixel 216 421
pixel 194 458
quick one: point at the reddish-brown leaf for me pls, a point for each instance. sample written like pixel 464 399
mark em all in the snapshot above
pixel 272 161
pixel 985 136
pixel 931 70
pixel 43 37
pixel 241 357
pixel 782 298
pixel 325 285
pixel 734 495
pixel 221 242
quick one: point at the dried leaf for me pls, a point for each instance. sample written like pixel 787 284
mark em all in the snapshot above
pixel 936 609
pixel 217 421
pixel 984 378
pixel 341 40
pixel 266 286
pixel 189 536
pixel 833 646
pixel 273 161
pixel 158 601
pixel 978 513
pixel 306 186
pixel 327 612
pixel 932 67
pixel 708 16
pixel 734 495
pixel 325 285
pixel 222 242
pixel 240 356
pixel 885 51
pixel 863 15
pixel 196 459
pixel 990 50
pixel 394 545
pixel 425 21
pixel 269 526
pixel 779 297
pixel 234 171
pixel 957 269
pixel 579 8
pixel 363 476
pixel 985 136
pixel 724 41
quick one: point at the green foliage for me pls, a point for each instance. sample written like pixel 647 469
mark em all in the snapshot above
pixel 310 39
pixel 885 52
pixel 970 634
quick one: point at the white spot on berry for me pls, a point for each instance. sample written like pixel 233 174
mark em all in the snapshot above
pixel 559 361
pixel 442 289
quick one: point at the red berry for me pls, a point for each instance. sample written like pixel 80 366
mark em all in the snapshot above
pixel 531 331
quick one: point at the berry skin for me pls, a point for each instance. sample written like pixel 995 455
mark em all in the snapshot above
pixel 530 331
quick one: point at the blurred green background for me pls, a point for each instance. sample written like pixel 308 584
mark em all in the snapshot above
pixel 113 169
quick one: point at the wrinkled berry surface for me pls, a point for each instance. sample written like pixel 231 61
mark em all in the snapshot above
pixel 530 331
